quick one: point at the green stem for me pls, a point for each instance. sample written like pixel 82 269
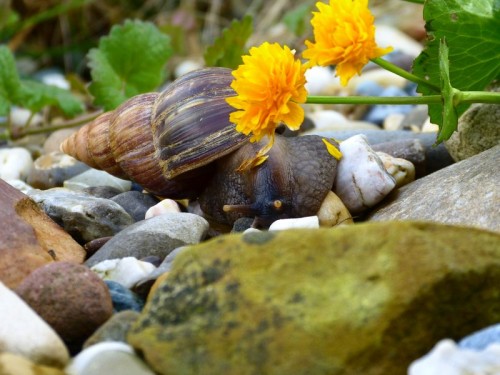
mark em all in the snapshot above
pixel 403 73
pixel 479 97
pixel 396 100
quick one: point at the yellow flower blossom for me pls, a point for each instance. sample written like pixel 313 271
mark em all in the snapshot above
pixel 344 36
pixel 269 87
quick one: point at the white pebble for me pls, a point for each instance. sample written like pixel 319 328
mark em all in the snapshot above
pixel 15 163
pixel 402 170
pixel 187 66
pixel 20 117
pixel 163 207
pixel 333 211
pixel 301 222
pixel 361 180
pixel 447 358
pixel 390 36
pixel 318 79
pixel 126 271
pixel 328 119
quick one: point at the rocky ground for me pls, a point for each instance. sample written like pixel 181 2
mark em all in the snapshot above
pixel 402 260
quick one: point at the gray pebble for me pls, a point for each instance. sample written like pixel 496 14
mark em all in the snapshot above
pixel 135 203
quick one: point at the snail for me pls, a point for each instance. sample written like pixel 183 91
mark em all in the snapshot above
pixel 180 144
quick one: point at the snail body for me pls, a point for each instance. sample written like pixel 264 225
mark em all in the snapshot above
pixel 180 144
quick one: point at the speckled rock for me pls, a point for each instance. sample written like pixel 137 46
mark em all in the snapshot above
pixel 70 297
pixel 478 130
pixel 135 203
pixel 156 236
pixel 23 332
pixel 83 216
pixel 365 299
pixel 51 170
pixel 465 193
pixel 115 328
pixel 11 364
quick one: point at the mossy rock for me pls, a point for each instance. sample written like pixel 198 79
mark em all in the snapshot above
pixel 362 299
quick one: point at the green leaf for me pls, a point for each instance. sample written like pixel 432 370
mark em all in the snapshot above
pixel 9 80
pixel 129 61
pixel 295 19
pixel 36 95
pixel 450 117
pixel 30 94
pixel 230 46
pixel 471 32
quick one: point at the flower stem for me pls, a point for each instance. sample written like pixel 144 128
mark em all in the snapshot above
pixel 396 100
pixel 479 97
pixel 403 73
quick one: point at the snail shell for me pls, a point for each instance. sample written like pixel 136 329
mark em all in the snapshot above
pixel 160 140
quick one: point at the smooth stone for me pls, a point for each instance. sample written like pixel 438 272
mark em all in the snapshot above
pixel 54 140
pixel 478 130
pixel 281 302
pixel 411 150
pixel 333 212
pixel 123 298
pixel 126 271
pixel 436 157
pixel 242 224
pixel 20 185
pixel 328 119
pixel 83 216
pixel 69 297
pixel 29 239
pixel 135 203
pixel 108 358
pixel 94 177
pixel 12 364
pixel 301 222
pixel 19 117
pixel 379 112
pixel 381 77
pixel 53 77
pixel 115 328
pixel 361 180
pixel 481 339
pixel 162 207
pixel 319 79
pixel 447 358
pixel 25 333
pixel 465 193
pixel 156 236
pixel 106 192
pixel 386 35
pixel 393 121
pixel 51 170
pixel 429 127
pixel 403 171
pixel 416 118
pixel 92 246
pixel 369 88
pixel 15 163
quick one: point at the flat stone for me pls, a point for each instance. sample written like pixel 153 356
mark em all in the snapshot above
pixel 156 236
pixel 29 238
pixel 83 216
pixel 362 299
pixel 23 332
pixel 94 177
pixel 465 193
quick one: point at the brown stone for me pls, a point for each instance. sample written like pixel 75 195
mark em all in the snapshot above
pixel 29 238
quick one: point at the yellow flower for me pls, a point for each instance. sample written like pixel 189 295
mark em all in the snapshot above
pixel 269 87
pixel 345 37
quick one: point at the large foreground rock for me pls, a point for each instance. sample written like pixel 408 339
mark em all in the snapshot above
pixel 362 299
pixel 465 193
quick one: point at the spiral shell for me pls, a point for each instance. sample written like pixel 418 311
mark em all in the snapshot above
pixel 164 141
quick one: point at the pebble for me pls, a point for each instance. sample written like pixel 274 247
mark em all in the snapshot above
pixel 135 203
pixel 403 171
pixel 126 271
pixel 12 364
pixel 52 169
pixel 301 222
pixel 393 121
pixel 361 180
pixel 415 119
pixel 389 36
pixel 481 339
pixel 107 192
pixel 447 358
pixel 242 224
pixel 156 236
pixel 108 358
pixel 94 177
pixel 162 207
pixel 69 297
pixel 115 328
pixel 328 119
pixel 319 79
pixel 81 215
pixel 54 140
pixel 478 130
pixel 411 150
pixel 15 163
pixel 123 298
pixel 379 112
pixel 333 212
pixel 380 77
pixel 25 333
pixel 20 185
